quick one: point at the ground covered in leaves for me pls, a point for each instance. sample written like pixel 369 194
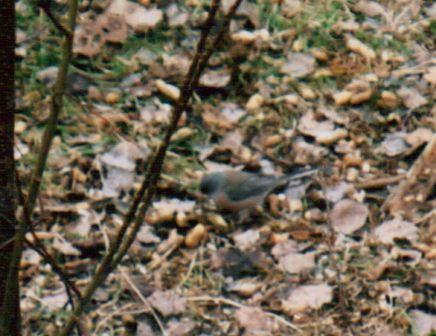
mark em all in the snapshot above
pixel 346 86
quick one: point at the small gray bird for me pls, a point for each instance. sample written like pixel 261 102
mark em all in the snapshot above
pixel 234 190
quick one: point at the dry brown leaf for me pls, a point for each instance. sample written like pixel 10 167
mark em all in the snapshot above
pixel 146 235
pixel 169 90
pixel 306 153
pixel 246 37
pixel 247 239
pixel 430 75
pixel 348 216
pixel 139 18
pixel 144 329
pixel 245 287
pixel 369 8
pixel 298 65
pixel 396 228
pixel 360 48
pixel 255 321
pixel 291 8
pixel 324 132
pixel 176 16
pixel 412 99
pixel 55 301
pixel 65 247
pixel 196 236
pixel 167 302
pixel 114 28
pixel 303 298
pixel 156 114
pixel 423 324
pixel 180 328
pixel 88 39
pixel 394 144
pixel 297 262
pixel 215 78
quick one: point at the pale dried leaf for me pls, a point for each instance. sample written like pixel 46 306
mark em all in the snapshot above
pixel 324 132
pixel 306 153
pixel 55 301
pixel 139 18
pixel 246 240
pixel 303 298
pixel 396 228
pixel 412 99
pixel 424 324
pixel 180 328
pixel 394 144
pixel 167 302
pixel 337 192
pixel 297 262
pixel 65 247
pixel 360 48
pixel 298 65
pixel 215 78
pixel 255 321
pixel 348 216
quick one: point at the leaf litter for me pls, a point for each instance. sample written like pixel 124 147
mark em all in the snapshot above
pixel 346 87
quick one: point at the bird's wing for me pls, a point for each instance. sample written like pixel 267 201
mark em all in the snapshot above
pixel 250 186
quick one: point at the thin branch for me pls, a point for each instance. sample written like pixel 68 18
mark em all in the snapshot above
pixel 39 247
pixel 145 302
pixel 56 107
pixel 379 182
pixel 125 237
pixel 45 5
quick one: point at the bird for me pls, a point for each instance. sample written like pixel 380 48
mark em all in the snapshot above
pixel 234 191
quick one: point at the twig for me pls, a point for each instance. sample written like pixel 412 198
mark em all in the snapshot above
pixel 39 247
pixel 45 5
pixel 56 105
pixel 124 237
pixel 144 301
pixel 379 182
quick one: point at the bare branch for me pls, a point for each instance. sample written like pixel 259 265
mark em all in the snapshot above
pixel 126 234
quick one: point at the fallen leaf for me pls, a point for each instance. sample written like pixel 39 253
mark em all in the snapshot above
pixel 298 65
pixel 245 287
pixel 247 239
pixel 65 247
pixel 290 8
pixel 360 48
pixel 176 16
pixel 412 99
pixel 139 18
pixel 306 153
pixel 324 132
pixel 180 328
pixel 337 192
pixel 423 324
pixel 394 144
pixel 307 297
pixel 255 321
pixel 167 302
pixel 215 78
pixel 348 216
pixel 55 301
pixel 296 263
pixel 396 228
